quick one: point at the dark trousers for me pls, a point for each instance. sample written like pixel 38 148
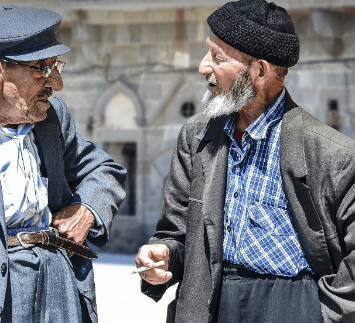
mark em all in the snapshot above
pixel 248 297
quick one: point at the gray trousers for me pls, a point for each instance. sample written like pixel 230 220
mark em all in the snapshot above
pixel 248 297
pixel 41 287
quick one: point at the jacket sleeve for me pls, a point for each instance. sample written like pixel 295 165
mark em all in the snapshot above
pixel 171 226
pixel 337 291
pixel 94 178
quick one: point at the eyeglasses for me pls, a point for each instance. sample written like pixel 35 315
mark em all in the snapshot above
pixel 46 70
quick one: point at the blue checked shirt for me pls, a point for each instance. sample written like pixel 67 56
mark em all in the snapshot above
pixel 258 228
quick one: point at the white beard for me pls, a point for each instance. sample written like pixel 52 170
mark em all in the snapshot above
pixel 224 104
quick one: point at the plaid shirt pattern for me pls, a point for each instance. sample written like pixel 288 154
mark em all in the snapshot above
pixel 258 228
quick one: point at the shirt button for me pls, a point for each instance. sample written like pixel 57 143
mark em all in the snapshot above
pixel 236 194
pixel 3 269
pixel 229 228
pixel 29 174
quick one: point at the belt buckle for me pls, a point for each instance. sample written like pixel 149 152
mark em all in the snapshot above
pixel 22 240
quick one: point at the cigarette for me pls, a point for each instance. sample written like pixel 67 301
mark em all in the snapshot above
pixel 141 269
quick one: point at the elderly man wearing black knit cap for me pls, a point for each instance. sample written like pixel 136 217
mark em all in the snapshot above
pixel 258 219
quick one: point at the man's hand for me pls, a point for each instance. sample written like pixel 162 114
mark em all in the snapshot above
pixel 74 223
pixel 147 256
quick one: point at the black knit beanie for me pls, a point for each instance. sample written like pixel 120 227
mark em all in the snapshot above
pixel 259 29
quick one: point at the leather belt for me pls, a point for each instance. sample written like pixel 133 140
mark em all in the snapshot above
pixel 49 238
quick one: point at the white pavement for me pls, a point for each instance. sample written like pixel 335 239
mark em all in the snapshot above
pixel 119 299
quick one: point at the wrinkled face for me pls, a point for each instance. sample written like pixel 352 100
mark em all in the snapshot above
pixel 24 92
pixel 221 66
pixel 230 87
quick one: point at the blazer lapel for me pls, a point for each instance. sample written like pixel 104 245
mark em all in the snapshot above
pixel 294 173
pixel 48 136
pixel 214 155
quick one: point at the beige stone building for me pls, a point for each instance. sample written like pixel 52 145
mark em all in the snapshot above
pixel 132 80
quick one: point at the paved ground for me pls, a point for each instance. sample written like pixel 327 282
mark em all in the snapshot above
pixel 118 293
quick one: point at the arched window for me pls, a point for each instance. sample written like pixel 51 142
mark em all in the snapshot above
pixel 188 109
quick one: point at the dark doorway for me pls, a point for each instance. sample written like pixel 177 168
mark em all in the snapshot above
pixel 333 115
pixel 125 154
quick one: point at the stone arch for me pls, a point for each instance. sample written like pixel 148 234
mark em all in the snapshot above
pixel 131 114
pixel 120 112
pixel 186 89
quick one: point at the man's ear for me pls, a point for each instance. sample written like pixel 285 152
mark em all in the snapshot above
pixel 262 70
pixel 265 68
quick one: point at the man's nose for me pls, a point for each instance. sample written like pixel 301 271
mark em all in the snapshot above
pixel 54 80
pixel 206 65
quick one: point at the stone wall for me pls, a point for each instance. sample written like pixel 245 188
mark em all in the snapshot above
pixel 152 57
pixel 133 69
pixel 326 71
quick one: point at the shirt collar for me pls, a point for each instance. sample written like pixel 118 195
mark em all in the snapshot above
pixel 258 129
pixel 22 130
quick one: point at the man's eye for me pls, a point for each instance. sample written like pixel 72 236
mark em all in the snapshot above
pixel 43 64
pixel 40 65
pixel 216 58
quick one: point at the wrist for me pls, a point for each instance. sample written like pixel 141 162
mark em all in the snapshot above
pixel 91 220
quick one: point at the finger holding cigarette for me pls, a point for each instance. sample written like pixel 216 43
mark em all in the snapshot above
pixel 148 259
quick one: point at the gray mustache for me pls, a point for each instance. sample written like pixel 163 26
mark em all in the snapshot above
pixel 209 79
pixel 47 92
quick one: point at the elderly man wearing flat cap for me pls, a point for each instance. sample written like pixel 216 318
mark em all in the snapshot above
pixel 258 218
pixel 56 189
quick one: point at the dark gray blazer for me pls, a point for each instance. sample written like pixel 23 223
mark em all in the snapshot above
pixel 318 173
pixel 77 171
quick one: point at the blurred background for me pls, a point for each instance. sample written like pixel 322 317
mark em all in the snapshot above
pixel 132 80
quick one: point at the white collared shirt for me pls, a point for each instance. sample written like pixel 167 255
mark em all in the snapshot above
pixel 24 190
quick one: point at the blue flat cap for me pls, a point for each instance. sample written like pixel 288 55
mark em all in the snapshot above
pixel 29 34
